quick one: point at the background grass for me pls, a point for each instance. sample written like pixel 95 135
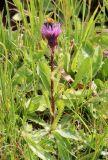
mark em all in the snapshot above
pixel 80 129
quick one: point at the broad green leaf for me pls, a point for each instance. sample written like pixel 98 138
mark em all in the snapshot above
pixel 37 120
pixel 88 48
pixel 47 101
pixel 84 72
pixel 22 74
pixel 56 83
pixel 104 41
pixel 33 140
pixel 48 143
pixel 64 147
pixel 86 52
pixel 97 60
pixel 38 55
pixel 37 103
pixel 39 151
pixel 66 61
pixel 67 133
pixel 104 69
pixel 44 74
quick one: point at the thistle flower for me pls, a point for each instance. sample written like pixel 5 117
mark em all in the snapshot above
pixel 51 31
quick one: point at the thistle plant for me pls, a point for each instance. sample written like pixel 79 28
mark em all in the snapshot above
pixel 51 31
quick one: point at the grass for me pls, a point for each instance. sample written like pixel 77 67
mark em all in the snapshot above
pixel 80 128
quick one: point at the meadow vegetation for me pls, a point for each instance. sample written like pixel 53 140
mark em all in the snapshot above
pixel 79 130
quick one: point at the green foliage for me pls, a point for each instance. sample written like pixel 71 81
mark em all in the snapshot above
pixel 80 126
pixel 44 74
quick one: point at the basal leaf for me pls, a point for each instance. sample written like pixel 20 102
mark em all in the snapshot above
pixel 67 133
pixel 36 147
pixel 64 147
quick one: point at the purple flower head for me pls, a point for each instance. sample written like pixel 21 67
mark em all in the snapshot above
pixel 51 31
